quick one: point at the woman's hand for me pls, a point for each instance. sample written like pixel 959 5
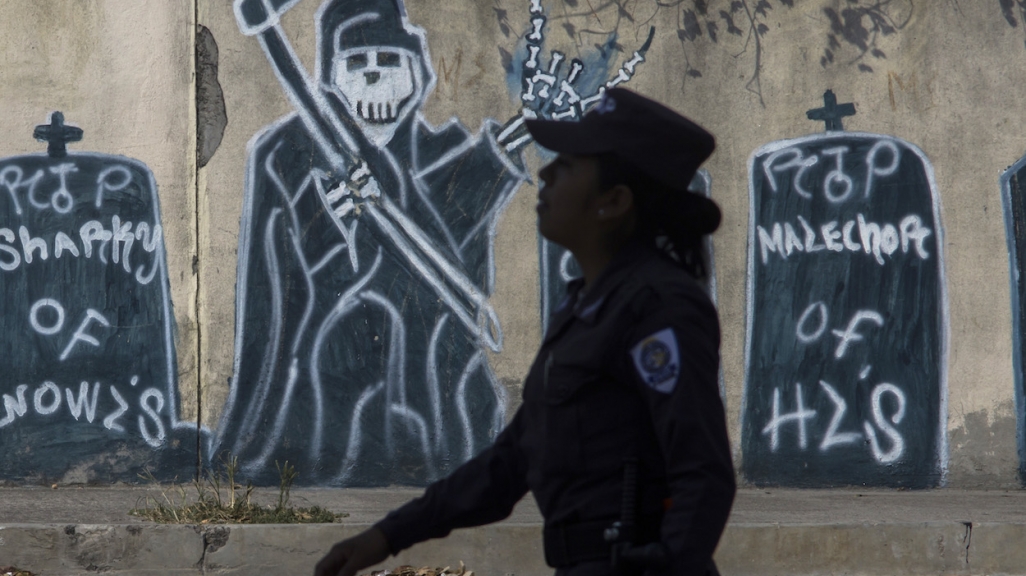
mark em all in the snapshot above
pixel 354 554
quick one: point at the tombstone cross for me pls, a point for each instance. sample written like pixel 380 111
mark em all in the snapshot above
pixel 57 134
pixel 831 112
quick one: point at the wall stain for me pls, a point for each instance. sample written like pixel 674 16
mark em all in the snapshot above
pixel 211 114
pixel 982 445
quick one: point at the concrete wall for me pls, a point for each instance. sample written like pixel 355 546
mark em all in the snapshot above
pixel 890 353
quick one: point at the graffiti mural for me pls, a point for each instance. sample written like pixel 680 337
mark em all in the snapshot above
pixel 847 315
pixel 1013 195
pixel 89 390
pixel 365 262
pixel 366 253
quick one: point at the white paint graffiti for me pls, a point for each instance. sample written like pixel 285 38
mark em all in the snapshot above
pixel 844 179
pixel 539 91
pixel 115 243
pixel 77 330
pixel 47 401
pixel 383 210
pixel 873 239
pixel 366 254
pixel 832 437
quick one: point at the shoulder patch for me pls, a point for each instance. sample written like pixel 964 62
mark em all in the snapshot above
pixel 657 360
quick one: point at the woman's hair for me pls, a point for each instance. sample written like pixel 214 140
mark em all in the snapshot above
pixel 661 213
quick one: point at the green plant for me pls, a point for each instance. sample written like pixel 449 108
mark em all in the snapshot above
pixel 221 499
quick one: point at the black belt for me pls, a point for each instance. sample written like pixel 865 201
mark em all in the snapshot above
pixel 569 544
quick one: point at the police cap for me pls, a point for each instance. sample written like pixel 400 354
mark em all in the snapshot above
pixel 660 142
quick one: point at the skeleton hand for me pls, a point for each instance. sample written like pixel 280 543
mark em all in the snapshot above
pixel 546 94
pixel 346 196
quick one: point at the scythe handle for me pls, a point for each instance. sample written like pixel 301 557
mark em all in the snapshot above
pixel 255 16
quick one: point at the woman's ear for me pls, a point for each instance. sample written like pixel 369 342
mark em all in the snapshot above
pixel 615 203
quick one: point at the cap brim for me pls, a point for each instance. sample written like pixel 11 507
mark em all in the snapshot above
pixel 567 137
pixel 703 215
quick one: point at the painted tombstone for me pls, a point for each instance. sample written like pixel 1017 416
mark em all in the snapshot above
pixel 1013 193
pixel 847 322
pixel 89 387
pixel 558 266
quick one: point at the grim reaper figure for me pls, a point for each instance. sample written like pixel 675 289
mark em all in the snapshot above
pixel 365 257
pixel 362 315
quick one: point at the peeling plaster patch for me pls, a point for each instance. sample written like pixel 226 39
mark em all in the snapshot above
pixel 211 115
pixel 96 548
pixel 216 538
pixel 984 450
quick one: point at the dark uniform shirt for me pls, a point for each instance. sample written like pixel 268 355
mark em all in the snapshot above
pixel 628 369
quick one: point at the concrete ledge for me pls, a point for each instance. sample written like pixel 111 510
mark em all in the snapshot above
pixel 502 549
pixel 66 550
pixel 771 532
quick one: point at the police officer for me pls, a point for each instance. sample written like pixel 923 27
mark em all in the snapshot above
pixel 621 436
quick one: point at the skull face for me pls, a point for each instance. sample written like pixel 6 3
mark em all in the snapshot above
pixel 377 84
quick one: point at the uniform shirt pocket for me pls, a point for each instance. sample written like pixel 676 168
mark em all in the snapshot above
pixel 565 390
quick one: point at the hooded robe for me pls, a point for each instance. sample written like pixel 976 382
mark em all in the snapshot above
pixel 350 362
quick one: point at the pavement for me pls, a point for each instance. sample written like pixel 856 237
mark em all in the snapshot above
pixel 87 530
